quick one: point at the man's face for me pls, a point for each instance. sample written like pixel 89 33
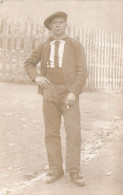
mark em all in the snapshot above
pixel 58 26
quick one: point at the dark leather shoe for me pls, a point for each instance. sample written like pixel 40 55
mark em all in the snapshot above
pixel 54 175
pixel 77 178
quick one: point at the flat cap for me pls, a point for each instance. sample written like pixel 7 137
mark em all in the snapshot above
pixel 48 20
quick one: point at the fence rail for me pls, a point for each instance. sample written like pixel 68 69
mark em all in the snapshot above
pixel 104 52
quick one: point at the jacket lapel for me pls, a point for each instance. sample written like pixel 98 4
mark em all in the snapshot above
pixel 68 56
pixel 68 52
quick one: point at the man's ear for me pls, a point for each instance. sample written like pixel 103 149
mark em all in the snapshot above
pixel 66 24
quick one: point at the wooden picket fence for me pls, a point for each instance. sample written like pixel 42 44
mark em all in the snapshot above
pixel 104 52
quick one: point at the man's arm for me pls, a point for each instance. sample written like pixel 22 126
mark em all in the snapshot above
pixel 81 70
pixel 30 64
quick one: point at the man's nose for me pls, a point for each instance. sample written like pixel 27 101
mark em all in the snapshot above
pixel 57 24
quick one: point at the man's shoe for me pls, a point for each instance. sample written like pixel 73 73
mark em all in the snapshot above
pixel 54 175
pixel 77 178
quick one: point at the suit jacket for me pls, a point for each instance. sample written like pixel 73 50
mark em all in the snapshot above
pixel 74 64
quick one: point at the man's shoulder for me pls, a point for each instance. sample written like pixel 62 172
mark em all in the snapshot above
pixel 44 43
pixel 71 40
pixel 74 41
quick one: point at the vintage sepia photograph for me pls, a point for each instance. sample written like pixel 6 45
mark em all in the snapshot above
pixel 61 97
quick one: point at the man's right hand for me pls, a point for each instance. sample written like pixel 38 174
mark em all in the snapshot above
pixel 42 81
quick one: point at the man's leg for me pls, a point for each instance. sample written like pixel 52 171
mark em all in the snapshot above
pixel 52 120
pixel 73 136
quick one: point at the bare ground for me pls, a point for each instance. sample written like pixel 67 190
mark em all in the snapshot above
pixel 23 161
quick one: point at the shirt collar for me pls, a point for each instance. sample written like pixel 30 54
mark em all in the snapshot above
pixel 64 38
pixel 52 41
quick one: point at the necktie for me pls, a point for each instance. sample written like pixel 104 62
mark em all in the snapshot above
pixel 56 56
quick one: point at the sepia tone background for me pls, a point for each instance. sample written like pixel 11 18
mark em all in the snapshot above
pixel 106 15
pixel 23 161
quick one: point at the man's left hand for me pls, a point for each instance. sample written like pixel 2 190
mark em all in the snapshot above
pixel 70 99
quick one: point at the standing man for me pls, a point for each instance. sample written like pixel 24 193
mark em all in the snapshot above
pixel 63 75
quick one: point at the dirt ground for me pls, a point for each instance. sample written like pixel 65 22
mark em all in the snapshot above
pixel 23 161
